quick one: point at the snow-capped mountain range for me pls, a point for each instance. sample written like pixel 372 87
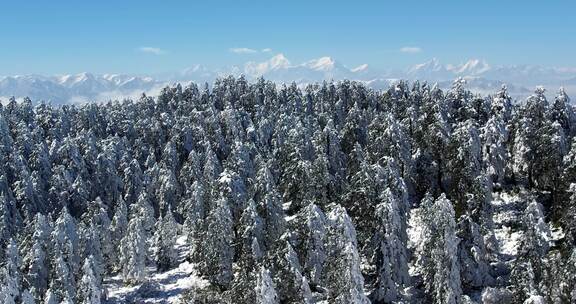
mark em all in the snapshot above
pixel 481 77
pixel 75 88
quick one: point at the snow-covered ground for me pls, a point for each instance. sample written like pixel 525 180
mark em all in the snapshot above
pixel 165 287
pixel 508 211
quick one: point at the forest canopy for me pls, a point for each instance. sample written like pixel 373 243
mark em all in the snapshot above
pixel 289 194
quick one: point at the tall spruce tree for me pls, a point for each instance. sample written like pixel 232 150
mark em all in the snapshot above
pixel 439 256
pixel 343 277
pixel 133 251
pixel 10 276
pixel 165 240
pixel 265 292
pixel 89 290
pixel 217 253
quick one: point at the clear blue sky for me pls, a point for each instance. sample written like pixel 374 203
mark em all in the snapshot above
pixel 48 37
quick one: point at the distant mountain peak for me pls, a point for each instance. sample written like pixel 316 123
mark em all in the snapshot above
pixel 434 69
pixel 472 66
pixel 321 64
pixel 433 65
pixel 194 69
pixel 278 62
pixel 360 68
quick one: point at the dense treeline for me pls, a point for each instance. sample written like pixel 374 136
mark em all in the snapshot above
pixel 289 195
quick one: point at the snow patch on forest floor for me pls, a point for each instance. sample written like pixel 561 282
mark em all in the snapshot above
pixel 164 287
pixel 557 233
pixel 508 209
pixel 508 240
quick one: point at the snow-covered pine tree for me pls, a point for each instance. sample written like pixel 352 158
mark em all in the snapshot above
pixel 79 194
pixel 343 278
pixel 501 104
pixel 432 137
pixel 23 188
pixel 438 260
pixel 242 286
pixel 35 264
pixel 92 247
pixel 195 210
pixel 378 200
pixel 550 148
pixel 212 166
pixel 295 157
pixel 292 286
pixel 144 210
pixel 390 256
pixel 62 281
pixel 329 147
pixel 9 221
pixel 526 140
pixel 106 174
pixel 241 159
pixel 165 237
pixel 168 192
pixel 354 130
pixel 27 297
pixel 464 164
pixel 269 206
pixel 231 186
pixel 387 138
pixel 322 186
pixel 65 239
pixel 568 217
pixel 362 198
pixel 37 271
pixel 10 276
pixel 569 167
pixel 133 251
pixel 98 218
pixel 118 228
pixel 133 182
pixel 457 101
pixel 495 154
pixel 250 233
pixel 50 297
pixel 471 195
pixel 558 284
pixel 90 288
pixel 191 168
pixel 265 291
pixel 528 268
pixel 217 253
pixel 563 113
pixel 473 257
pixel 312 231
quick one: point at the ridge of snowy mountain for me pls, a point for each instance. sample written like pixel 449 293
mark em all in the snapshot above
pixel 470 67
pixel 75 87
pixel 481 78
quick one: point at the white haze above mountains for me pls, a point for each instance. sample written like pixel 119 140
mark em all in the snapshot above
pixel 481 77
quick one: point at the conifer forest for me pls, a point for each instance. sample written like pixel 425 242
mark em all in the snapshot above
pixel 252 191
